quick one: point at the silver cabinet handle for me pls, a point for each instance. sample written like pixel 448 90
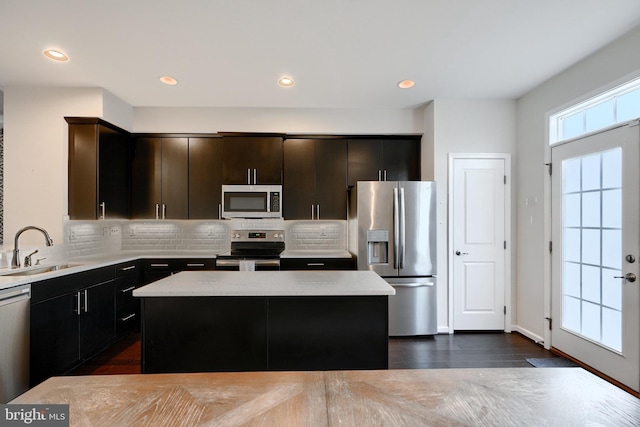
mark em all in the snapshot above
pixel 103 210
pixel 78 311
pixel 164 211
pixel 248 176
pixel 318 209
pixel 195 265
pixel 379 175
pixel 384 178
pixel 159 265
pixel 255 176
pixel 131 267
pixel 131 316
pixel 157 211
pixel 124 291
pixel 86 301
pixel 219 210
pixel 315 264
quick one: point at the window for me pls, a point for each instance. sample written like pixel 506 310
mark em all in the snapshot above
pixel 618 105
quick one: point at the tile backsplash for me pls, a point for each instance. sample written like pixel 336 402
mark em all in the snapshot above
pixel 86 238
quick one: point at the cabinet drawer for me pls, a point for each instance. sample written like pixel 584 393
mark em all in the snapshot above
pixel 196 264
pixel 317 264
pixel 128 269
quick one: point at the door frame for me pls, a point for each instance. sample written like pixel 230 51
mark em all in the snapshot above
pixel 508 285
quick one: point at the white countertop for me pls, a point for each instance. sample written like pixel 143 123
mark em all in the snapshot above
pixel 267 283
pixel 97 261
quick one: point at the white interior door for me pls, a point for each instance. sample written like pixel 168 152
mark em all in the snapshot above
pixel 595 300
pixel 478 243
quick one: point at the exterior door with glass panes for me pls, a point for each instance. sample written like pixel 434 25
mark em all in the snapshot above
pixel 595 250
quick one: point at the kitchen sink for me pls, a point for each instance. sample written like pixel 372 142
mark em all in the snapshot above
pixel 39 270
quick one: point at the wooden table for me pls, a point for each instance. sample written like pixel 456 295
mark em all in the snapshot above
pixel 516 396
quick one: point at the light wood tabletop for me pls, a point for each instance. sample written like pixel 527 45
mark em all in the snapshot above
pixel 439 397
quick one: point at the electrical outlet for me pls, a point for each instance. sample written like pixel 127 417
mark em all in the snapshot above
pixel 105 231
pixel 115 231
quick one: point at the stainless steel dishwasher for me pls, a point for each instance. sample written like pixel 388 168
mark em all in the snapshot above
pixel 14 341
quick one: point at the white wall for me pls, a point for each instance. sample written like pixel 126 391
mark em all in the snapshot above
pixel 279 120
pixel 35 157
pixel 464 126
pixel 605 69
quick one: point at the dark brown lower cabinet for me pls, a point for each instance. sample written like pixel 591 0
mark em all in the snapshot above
pixel 317 264
pixel 208 334
pixel 72 318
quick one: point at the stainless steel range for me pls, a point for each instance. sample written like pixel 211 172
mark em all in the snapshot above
pixel 254 248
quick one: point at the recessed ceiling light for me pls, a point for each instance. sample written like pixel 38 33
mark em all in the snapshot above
pixel 286 81
pixel 406 84
pixel 56 55
pixel 168 80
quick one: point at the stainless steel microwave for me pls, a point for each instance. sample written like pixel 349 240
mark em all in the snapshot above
pixel 252 201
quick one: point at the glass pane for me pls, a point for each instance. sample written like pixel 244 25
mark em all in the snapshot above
pixel 612 329
pixel 612 249
pixel 591 172
pixel 571 182
pixel 591 320
pixel 571 210
pixel 591 247
pixel 573 125
pixel 572 279
pixel 571 244
pixel 612 209
pixel 612 288
pixel 611 167
pixel 591 209
pixel 571 313
pixel 600 116
pixel 628 106
pixel 591 283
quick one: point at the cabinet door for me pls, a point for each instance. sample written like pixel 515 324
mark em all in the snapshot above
pixel 146 178
pixel 267 160
pixel 205 178
pixel 175 178
pixel 97 318
pixel 83 164
pixel 237 160
pixel 113 173
pixel 252 160
pixel 401 159
pixel 331 178
pixel 364 160
pixel 299 178
pixel 54 339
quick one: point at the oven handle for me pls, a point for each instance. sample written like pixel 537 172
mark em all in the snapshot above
pixel 258 262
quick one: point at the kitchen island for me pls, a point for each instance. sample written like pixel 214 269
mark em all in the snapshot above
pixel 208 321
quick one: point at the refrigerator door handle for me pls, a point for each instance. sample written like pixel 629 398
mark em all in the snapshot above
pixel 396 229
pixel 402 229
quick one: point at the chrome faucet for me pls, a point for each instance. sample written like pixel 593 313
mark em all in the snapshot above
pixel 15 261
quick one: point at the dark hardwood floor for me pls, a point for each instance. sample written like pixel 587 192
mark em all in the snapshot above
pixel 459 350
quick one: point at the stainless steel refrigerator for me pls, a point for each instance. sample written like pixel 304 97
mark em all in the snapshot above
pixel 392 231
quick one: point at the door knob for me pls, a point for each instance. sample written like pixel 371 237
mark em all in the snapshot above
pixel 629 277
pixel 630 259
pixel 461 253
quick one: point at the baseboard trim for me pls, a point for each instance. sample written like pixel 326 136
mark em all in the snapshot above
pixel 533 337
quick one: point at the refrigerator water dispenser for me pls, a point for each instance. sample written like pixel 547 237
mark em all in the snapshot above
pixel 378 246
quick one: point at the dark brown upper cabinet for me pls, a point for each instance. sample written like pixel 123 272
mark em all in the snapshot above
pixel 160 178
pixel 315 178
pixel 205 178
pixel 99 169
pixel 252 159
pixel 384 159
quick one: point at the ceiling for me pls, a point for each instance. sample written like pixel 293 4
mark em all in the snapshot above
pixel 341 53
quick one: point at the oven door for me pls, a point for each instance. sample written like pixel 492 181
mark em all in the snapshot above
pixel 233 264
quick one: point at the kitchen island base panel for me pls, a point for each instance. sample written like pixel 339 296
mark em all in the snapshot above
pixel 210 334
